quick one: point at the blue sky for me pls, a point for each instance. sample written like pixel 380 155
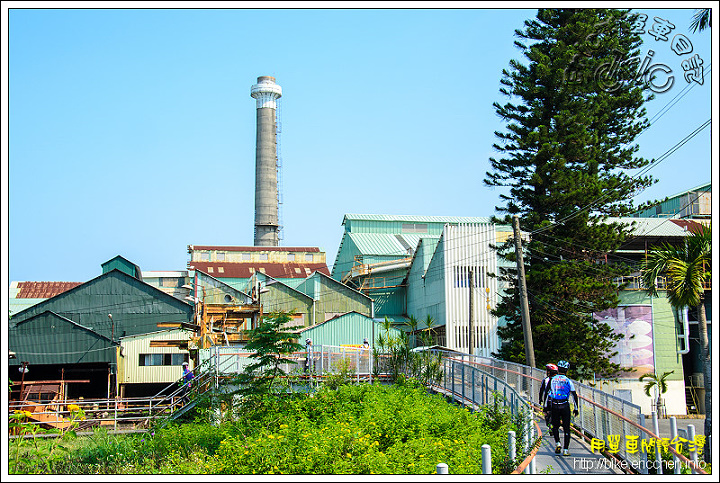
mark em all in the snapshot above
pixel 132 132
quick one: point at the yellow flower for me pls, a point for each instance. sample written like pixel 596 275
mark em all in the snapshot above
pixel 73 407
pixel 348 455
pixel 271 436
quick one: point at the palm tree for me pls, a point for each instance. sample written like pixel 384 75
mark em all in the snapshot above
pixel 686 268
pixel 700 20
pixel 412 324
pixel 430 326
pixel 659 383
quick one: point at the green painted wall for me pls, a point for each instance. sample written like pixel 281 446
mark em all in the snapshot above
pixel 122 264
pixel 347 329
pixel 332 297
pixel 281 298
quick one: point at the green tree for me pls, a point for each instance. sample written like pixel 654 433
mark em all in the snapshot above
pixel 271 343
pixel 659 383
pixel 567 146
pixel 686 268
pixel 700 20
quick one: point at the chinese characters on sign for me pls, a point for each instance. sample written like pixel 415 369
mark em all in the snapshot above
pixel 633 444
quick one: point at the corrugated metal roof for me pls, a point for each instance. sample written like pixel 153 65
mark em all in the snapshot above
pixel 246 270
pixel 253 249
pixel 43 290
pixel 385 243
pixel 414 218
pixel 654 227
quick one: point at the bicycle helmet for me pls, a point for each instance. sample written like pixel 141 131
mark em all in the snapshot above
pixel 563 364
pixel 551 367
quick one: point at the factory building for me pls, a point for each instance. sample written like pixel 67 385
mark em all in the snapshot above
pixel 78 334
pixel 426 266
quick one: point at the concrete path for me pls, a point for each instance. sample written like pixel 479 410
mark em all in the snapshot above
pixel 581 460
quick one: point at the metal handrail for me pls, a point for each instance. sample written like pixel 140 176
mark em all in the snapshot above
pixel 595 432
pixel 483 380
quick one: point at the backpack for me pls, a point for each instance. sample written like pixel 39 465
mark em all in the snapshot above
pixel 560 388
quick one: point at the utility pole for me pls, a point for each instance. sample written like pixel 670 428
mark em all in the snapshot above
pixel 471 335
pixel 524 308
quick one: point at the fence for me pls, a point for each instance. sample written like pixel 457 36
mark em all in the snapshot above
pixel 465 381
pixel 602 415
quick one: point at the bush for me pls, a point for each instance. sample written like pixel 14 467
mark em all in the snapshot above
pixel 354 429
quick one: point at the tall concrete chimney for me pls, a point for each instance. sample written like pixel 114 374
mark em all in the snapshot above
pixel 266 92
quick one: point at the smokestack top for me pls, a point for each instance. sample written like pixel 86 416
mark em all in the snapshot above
pixel 266 92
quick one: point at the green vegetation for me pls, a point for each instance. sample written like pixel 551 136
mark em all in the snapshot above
pixel 565 159
pixel 355 429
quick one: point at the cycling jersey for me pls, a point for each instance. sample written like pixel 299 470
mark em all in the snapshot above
pixel 560 388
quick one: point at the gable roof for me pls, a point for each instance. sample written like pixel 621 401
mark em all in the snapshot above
pixel 56 339
pixel 64 319
pixel 156 292
pixel 346 287
pixel 275 281
pixel 42 290
pixel 247 269
pixel 223 284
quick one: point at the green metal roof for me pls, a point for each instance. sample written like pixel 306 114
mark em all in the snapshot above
pixel 385 243
pixel 418 219
pixel 49 338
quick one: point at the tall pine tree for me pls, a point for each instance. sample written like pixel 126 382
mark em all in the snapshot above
pixel 565 156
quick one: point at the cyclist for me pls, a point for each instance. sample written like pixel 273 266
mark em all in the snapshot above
pixel 560 390
pixel 550 371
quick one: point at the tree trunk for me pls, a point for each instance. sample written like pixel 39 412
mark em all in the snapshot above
pixel 707 377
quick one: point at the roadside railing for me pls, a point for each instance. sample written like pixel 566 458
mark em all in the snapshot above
pixel 602 416
pixel 472 385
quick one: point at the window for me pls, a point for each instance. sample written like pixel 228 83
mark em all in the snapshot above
pixel 462 274
pixel 246 256
pixel 220 256
pixel 308 257
pixel 172 282
pixel 291 257
pixel 414 228
pixel 205 257
pixel 221 269
pixel 263 256
pixel 163 359
pixel 210 269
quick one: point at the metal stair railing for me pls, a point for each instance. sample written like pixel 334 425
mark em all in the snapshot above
pixel 472 385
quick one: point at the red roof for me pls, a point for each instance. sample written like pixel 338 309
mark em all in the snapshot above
pixel 253 249
pixel 689 225
pixel 246 270
pixel 43 290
